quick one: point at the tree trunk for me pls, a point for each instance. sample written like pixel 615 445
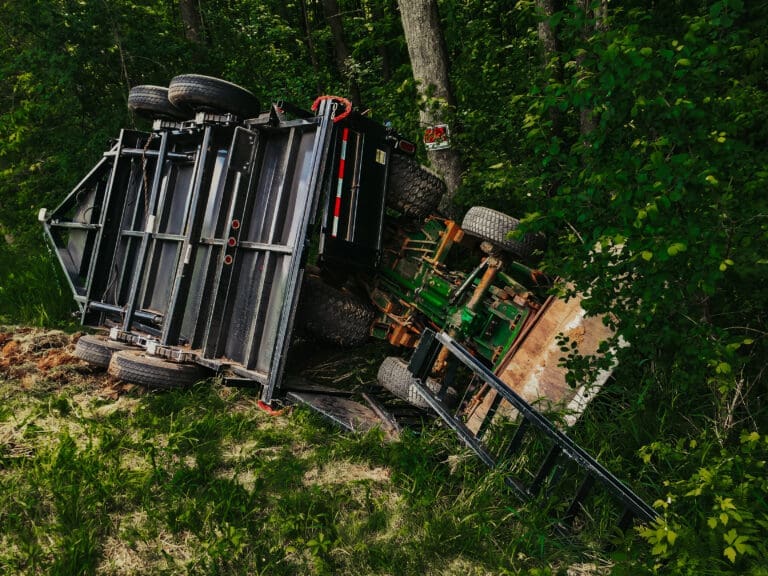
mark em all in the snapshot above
pixel 310 45
pixel 429 60
pixel 343 55
pixel 191 19
pixel 550 48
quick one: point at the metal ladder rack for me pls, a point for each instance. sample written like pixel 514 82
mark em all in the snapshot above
pixel 562 454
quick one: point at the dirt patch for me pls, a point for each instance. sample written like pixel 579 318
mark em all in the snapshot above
pixel 10 355
pixel 42 361
pixel 27 351
pixel 55 358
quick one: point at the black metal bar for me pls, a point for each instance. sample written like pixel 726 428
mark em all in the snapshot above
pixel 575 506
pixel 424 356
pixel 141 153
pixel 266 247
pixel 625 520
pixel 544 470
pixel 74 225
pixel 569 448
pixel 468 282
pixel 486 423
pixel 464 433
pixel 389 423
pixel 517 439
pixel 143 315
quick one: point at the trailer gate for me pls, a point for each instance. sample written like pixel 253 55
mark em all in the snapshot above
pixel 192 237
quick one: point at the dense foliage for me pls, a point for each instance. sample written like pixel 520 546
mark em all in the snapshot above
pixel 664 201
pixel 640 146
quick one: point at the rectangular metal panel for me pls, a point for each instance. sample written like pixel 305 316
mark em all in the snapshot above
pixel 274 221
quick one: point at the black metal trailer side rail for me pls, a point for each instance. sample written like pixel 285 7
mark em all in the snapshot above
pixel 632 506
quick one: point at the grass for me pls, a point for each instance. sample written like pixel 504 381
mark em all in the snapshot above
pixel 33 289
pixel 99 479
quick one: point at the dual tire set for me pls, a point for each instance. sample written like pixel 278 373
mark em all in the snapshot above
pixel 133 365
pixel 190 93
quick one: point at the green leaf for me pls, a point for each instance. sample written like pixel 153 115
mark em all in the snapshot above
pixel 752 437
pixel 676 248
pixel 730 553
pixel 723 368
pixel 646 255
pixel 741 544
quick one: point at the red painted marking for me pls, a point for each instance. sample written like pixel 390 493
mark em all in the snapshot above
pixel 337 207
pixel 342 162
pixel 268 409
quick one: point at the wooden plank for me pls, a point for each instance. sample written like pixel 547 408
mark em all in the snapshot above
pixel 532 368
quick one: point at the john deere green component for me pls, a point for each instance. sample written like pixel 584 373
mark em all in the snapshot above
pixel 414 282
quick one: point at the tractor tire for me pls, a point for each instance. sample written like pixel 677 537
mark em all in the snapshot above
pixel 156 373
pixel 394 376
pixel 332 315
pixel 152 102
pixel 98 350
pixel 494 227
pixel 199 92
pixel 414 190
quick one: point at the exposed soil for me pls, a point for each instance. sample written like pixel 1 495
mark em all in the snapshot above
pixel 42 360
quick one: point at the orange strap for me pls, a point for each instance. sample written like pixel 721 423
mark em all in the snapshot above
pixel 338 117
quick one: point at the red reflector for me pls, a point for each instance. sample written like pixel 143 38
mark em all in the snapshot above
pixel 235 224
pixel 227 259
pixel 232 241
pixel 405 146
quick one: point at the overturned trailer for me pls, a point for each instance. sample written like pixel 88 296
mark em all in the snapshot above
pixel 190 241
pixel 191 244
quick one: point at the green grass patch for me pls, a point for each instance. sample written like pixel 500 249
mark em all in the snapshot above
pixel 201 481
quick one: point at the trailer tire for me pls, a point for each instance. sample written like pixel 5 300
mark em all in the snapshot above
pixel 138 368
pixel 494 227
pixel 199 92
pixel 152 102
pixel 98 350
pixel 413 190
pixel 334 315
pixel 394 376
